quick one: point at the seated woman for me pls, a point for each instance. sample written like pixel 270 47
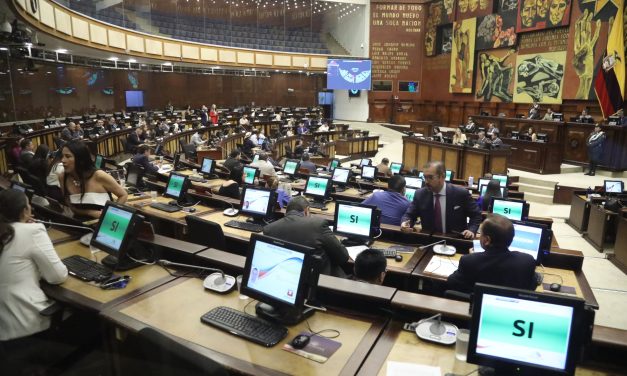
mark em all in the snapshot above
pixel 437 134
pixel 283 198
pixel 493 190
pixel 86 189
pixel 531 134
pixel 230 188
pixel 459 138
pixel 39 165
pixel 26 256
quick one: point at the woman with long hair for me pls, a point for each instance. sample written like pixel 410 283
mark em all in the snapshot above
pixel 493 190
pixel 26 256
pixel 459 138
pixel 40 163
pixel 230 188
pixel 85 188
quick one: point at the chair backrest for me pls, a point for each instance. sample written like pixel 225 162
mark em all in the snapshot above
pixel 190 151
pixel 162 355
pixel 38 186
pixel 135 175
pixel 205 232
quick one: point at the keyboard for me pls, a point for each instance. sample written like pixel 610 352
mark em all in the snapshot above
pixel 318 205
pixel 164 207
pixel 86 269
pixel 197 179
pixel 244 325
pixel 388 253
pixel 252 227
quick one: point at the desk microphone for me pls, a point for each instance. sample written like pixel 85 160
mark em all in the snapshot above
pixel 440 249
pixel 437 331
pixel 85 239
pixel 218 281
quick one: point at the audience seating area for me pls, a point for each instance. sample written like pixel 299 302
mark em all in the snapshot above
pixel 197 29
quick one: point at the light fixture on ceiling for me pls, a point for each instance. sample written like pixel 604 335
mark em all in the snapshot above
pixel 113 58
pixel 132 61
pixel 167 64
pixel 61 51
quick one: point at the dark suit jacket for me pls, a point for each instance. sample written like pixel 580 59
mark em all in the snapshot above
pixel 459 206
pixel 142 160
pixel 315 233
pixel 496 267
pixel 132 142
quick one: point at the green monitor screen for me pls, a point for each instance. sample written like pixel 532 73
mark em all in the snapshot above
pixel 249 175
pixel 395 168
pixel 353 220
pixel 449 175
pixel 176 183
pixel 413 182
pixel 501 178
pixel 113 228
pixel 98 161
pixel 316 186
pixel 409 193
pixel 513 210
pixel 290 167
pixel 334 163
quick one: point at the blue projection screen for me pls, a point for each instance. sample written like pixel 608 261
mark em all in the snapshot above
pixel 345 74
pixel 134 98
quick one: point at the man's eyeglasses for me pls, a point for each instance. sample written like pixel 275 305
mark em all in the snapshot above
pixel 431 177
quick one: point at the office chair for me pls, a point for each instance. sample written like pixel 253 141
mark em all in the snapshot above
pixel 205 232
pixel 190 151
pixel 135 176
pixel 34 182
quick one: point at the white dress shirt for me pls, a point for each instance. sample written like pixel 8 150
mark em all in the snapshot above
pixel 26 259
pixel 442 206
pixel 265 168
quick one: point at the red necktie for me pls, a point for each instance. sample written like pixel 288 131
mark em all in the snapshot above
pixel 437 214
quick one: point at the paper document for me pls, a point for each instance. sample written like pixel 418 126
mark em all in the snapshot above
pixel 354 251
pixel 402 369
pixel 442 266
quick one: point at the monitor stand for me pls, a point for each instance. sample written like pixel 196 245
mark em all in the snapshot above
pixel 318 203
pixel 340 188
pixel 113 263
pixel 257 221
pixel 354 242
pixel 288 316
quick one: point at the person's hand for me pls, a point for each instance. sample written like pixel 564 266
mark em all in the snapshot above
pixel 583 61
pixel 468 234
pixel 405 227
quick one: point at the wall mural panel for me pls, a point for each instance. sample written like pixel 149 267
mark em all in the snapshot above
pixel 542 14
pixel 539 77
pixel 494 31
pixel 495 75
pixel 462 56
pixel 473 8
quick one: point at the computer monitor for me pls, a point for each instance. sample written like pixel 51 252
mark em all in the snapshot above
pixel 290 167
pixel 449 175
pixel 519 332
pixel 135 176
pixel 340 176
pixel 177 186
pixel 258 202
pixel 483 181
pixel 333 164
pixel 543 137
pixel 533 239
pixel 281 276
pixel 365 162
pixel 515 135
pixel 99 161
pixel 503 179
pixel 413 182
pixel 368 172
pixel 114 235
pixel 556 116
pixel 207 167
pixel 177 159
pixel 484 187
pixel 516 210
pixel 18 186
pixel 250 173
pixel 410 193
pixel 357 222
pixel 396 168
pixel 317 187
pixel 255 158
pixel 613 186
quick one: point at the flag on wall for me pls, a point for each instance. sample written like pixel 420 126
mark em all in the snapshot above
pixel 609 84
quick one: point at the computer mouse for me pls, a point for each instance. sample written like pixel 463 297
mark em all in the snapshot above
pixel 230 212
pixel 555 287
pixel 300 341
pixel 398 257
pixel 191 210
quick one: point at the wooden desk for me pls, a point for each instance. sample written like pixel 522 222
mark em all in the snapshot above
pixel 601 227
pixel 579 213
pixel 537 157
pixel 366 146
pixel 620 247
pixel 92 297
pixel 358 334
pixel 143 205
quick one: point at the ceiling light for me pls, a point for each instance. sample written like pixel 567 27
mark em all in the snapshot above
pixel 167 64
pixel 3 49
pixel 113 58
pixel 132 61
pixel 61 51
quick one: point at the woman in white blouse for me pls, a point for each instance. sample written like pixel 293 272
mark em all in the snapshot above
pixel 26 256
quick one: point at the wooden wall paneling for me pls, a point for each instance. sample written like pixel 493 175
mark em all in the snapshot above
pixel 451 159
pixel 498 165
pixel 424 156
pixel 409 155
pixel 473 164
pixel 575 149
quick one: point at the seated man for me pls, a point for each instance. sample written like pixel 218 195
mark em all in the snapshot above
pixel 496 141
pixel 27 153
pixel 134 140
pixel 392 203
pixel 482 140
pixel 298 227
pixel 370 267
pixel 265 167
pixel 497 265
pixel 384 167
pixel 71 132
pixel 142 158
pixel 233 161
pixel 198 138
pixel 308 164
pixel 442 207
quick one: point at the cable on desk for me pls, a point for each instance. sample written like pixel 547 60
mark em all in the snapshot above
pixel 314 333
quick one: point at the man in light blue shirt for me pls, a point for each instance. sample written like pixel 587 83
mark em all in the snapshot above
pixel 392 202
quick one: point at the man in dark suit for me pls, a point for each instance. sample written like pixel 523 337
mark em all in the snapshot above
pixel 442 207
pixel 134 140
pixel 298 227
pixel 497 265
pixel 142 158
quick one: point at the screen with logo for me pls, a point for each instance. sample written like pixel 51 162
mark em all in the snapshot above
pixel 340 175
pixel 522 330
pixel 290 167
pixel 527 239
pixel 501 178
pixel 510 209
pixel 334 163
pixel 364 162
pixel 175 186
pixel 395 168
pixel 207 166
pixel 113 228
pixel 255 201
pixel 316 186
pixel 249 175
pixel 368 172
pixel 275 271
pixel 484 188
pixel 410 193
pixel 613 186
pixel 353 220
pixel 344 74
pixel 413 182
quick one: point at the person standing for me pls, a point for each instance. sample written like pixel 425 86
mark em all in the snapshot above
pixel 595 149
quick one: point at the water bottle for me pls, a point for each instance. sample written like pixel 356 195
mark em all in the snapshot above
pixel 471 181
